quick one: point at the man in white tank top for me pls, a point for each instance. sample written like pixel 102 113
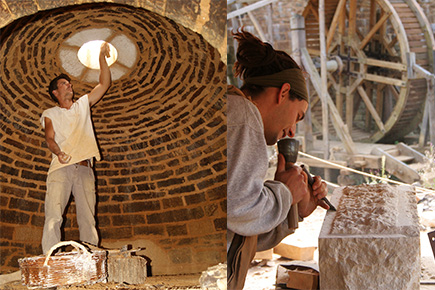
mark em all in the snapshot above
pixel 70 137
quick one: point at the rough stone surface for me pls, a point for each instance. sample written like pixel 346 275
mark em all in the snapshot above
pixel 125 268
pixel 372 241
pixel 214 278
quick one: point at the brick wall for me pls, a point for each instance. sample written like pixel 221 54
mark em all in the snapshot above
pixel 161 129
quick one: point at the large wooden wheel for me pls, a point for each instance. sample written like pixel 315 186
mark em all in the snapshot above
pixel 373 41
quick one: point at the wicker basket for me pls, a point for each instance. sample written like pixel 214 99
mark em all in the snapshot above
pixel 72 268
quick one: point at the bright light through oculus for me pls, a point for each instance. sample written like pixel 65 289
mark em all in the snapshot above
pixel 90 51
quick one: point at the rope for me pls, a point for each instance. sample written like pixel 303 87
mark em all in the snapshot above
pixel 363 173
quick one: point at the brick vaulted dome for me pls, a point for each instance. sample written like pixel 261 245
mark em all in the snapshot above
pixel 161 183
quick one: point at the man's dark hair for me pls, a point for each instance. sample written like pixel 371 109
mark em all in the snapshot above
pixel 53 85
pixel 257 58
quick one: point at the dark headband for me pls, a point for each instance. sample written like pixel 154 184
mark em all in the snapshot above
pixel 293 76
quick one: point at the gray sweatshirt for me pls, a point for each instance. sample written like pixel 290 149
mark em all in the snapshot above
pixel 254 207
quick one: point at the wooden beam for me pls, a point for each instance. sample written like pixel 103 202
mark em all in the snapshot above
pixel 354 85
pixel 371 108
pixel 380 99
pixel 431 98
pixel 393 90
pixel 257 26
pixel 269 21
pixel 338 12
pixel 315 12
pixel 374 30
pixel 342 29
pixel 352 18
pixel 307 10
pixel 249 8
pixel 324 83
pixel 384 80
pixel 314 101
pixel 392 42
pixel 349 111
pixel 382 63
pixel 338 123
pixel 315 52
pixel 424 125
pixel 406 150
pixel 396 167
pixel 372 13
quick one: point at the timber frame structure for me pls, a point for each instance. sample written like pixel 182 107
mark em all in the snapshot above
pixel 380 64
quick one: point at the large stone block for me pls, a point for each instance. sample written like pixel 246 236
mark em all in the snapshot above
pixel 372 241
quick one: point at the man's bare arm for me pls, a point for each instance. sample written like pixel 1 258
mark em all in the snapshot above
pixel 105 77
pixel 51 143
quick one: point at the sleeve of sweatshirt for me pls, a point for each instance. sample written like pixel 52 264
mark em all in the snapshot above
pixel 254 207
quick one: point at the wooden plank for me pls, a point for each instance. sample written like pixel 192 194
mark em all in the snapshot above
pixel 394 151
pixel 418 49
pixel 405 159
pixel 396 167
pixel 412 25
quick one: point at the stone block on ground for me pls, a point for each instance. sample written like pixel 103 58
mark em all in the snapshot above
pixel 294 252
pixel 264 255
pixel 372 241
pixel 123 267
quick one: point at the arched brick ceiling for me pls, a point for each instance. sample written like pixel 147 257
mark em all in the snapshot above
pixel 206 17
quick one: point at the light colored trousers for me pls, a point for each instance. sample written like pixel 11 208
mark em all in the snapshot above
pixel 79 180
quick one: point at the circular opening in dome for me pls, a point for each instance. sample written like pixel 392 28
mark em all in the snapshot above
pixel 90 51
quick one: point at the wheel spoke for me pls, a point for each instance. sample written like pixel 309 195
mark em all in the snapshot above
pixel 372 32
pixel 334 23
pixel 371 108
pixel 384 80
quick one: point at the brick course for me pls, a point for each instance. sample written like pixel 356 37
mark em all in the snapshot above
pixel 161 129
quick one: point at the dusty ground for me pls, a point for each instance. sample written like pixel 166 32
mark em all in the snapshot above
pixel 262 274
pixel 152 283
